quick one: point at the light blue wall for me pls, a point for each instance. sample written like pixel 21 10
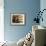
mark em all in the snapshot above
pixel 43 6
pixel 28 7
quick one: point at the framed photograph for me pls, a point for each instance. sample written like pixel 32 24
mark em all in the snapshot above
pixel 17 19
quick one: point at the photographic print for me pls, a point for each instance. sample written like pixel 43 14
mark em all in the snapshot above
pixel 17 19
